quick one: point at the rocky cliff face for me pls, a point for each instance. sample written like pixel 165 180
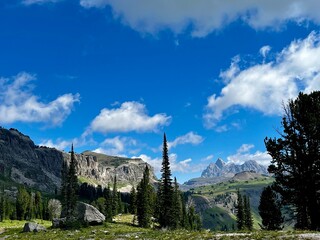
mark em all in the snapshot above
pixel 39 167
pixel 220 168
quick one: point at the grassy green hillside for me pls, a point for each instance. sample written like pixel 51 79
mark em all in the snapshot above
pixel 221 198
pixel 123 229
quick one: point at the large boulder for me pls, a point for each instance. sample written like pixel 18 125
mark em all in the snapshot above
pixel 33 227
pixel 85 214
pixel 89 214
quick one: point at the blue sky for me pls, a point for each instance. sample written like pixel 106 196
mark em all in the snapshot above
pixel 114 75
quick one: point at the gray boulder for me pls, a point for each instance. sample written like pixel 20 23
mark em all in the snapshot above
pixel 58 222
pixel 89 214
pixel 33 227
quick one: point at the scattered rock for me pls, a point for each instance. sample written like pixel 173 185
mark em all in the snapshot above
pixel 89 214
pixel 58 222
pixel 33 227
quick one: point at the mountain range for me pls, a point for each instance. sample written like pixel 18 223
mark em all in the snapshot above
pixel 223 169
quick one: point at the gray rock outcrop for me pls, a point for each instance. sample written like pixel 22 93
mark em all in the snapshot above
pixel 33 227
pixel 40 167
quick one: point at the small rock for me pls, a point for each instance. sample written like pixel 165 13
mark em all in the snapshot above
pixel 33 227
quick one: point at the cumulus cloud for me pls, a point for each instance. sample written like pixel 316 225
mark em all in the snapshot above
pixel 189 138
pixel 19 104
pixel 116 146
pixel 184 166
pixel 130 116
pixel 266 86
pixel 201 17
pixel 243 154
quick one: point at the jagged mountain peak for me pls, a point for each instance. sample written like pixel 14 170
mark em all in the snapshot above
pixel 220 168
pixel 220 163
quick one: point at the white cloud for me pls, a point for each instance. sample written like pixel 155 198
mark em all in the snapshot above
pixel 189 138
pixel 202 17
pixel 207 158
pixel 130 116
pixel 18 104
pixel 243 154
pixel 60 144
pixel 184 166
pixel 31 2
pixel 266 86
pixel 116 146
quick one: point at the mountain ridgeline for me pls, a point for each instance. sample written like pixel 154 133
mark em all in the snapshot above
pixel 222 169
pixel 23 162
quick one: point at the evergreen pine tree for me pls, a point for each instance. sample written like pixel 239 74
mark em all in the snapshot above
pixel 240 212
pixel 144 208
pixel 38 205
pixel 176 206
pixel 69 188
pixel 165 189
pixel 270 210
pixel 108 207
pixel 22 203
pixel 115 198
pixel 2 208
pixel 133 201
pixel 295 159
pixel 2 204
pixel 63 189
pixel 248 221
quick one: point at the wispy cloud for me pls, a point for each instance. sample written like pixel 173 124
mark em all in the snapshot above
pixel 243 154
pixel 183 166
pixel 129 117
pixel 19 104
pixel 266 86
pixel 205 16
pixel 31 2
pixel 189 138
pixel 117 146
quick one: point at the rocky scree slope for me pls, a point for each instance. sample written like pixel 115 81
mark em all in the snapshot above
pixel 23 162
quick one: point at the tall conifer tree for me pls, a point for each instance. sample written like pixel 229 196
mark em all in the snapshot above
pixel 270 210
pixel 115 199
pixel 144 201
pixel 295 159
pixel 176 206
pixel 248 221
pixel 165 189
pixel 240 212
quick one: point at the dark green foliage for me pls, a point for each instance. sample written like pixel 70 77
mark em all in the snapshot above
pixel 144 200
pixel 296 159
pixel 194 221
pixel 133 201
pixel 240 212
pixel 69 188
pixel 100 204
pixel 176 206
pixel 248 221
pixel 38 205
pixel 165 193
pixel 270 210
pixel 115 198
pixel 2 208
pixel 244 216
pixel 22 204
pixel 108 204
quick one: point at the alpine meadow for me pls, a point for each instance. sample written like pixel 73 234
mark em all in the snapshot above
pixel 149 119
